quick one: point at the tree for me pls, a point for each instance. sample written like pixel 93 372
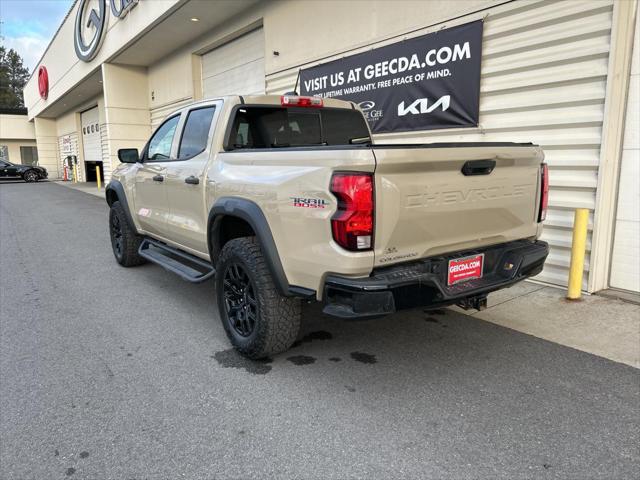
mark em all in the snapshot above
pixel 13 78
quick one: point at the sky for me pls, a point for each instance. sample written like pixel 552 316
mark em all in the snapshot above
pixel 27 26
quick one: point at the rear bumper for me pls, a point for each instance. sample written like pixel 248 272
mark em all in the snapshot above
pixel 424 283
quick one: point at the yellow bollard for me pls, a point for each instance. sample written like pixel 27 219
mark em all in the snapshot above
pixel 75 173
pixel 98 177
pixel 578 247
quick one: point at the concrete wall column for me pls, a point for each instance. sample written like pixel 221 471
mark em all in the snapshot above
pixel 126 109
pixel 618 78
pixel 47 142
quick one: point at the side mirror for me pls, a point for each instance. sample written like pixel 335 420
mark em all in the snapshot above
pixel 128 155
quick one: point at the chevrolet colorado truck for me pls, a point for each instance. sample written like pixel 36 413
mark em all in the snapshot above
pixel 285 199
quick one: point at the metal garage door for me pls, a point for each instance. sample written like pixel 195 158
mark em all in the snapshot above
pixel 236 67
pixel 91 136
pixel 544 76
pixel 625 260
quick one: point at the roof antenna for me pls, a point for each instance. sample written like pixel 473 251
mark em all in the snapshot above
pixel 295 89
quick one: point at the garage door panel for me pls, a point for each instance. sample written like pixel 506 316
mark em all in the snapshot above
pixel 588 94
pixel 569 72
pixel 235 68
pixel 557 54
pixel 238 81
pixel 535 17
pixel 91 144
pixel 632 121
pixel 592 25
pixel 628 192
pixel 626 256
pixel 242 50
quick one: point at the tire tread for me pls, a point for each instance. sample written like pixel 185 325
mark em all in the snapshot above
pixel 279 321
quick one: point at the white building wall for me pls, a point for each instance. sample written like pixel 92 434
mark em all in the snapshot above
pixel 169 91
pixel 16 131
pixel 16 127
pixel 48 150
pixel 126 110
pixel 13 148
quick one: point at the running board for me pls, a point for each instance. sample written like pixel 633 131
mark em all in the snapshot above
pixel 189 267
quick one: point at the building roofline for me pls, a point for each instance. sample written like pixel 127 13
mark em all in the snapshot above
pixel 73 4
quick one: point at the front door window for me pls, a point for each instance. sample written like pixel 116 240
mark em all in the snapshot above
pixel 160 143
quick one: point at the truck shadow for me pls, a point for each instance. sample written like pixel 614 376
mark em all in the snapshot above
pixel 408 343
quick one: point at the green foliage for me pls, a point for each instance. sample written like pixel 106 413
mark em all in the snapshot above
pixel 13 77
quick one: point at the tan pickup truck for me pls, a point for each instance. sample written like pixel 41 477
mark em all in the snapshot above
pixel 285 199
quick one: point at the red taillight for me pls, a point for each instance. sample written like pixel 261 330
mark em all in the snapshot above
pixel 352 224
pixel 544 192
pixel 297 101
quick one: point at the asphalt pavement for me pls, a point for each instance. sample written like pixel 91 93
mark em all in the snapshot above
pixel 107 372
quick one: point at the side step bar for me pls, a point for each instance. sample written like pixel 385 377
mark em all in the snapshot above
pixel 189 267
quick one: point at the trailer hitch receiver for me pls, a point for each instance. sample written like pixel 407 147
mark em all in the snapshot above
pixel 478 302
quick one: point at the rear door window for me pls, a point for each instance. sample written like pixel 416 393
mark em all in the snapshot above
pixel 196 132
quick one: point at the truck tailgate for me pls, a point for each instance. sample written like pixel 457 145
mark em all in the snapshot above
pixel 426 205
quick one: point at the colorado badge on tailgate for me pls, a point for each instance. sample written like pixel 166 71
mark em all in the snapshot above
pixel 461 269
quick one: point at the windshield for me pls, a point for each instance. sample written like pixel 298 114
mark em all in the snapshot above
pixel 280 127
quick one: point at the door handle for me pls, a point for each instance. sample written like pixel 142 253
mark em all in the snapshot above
pixel 158 178
pixel 192 180
pixel 478 167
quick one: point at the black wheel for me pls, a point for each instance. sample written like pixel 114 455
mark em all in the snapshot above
pixel 31 176
pixel 124 240
pixel 258 320
pixel 240 302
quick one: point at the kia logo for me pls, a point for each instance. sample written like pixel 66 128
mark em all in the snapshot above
pixel 89 29
pixel 367 105
pixel 421 105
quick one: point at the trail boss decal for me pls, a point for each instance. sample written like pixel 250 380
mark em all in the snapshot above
pixel 303 202
pixel 423 83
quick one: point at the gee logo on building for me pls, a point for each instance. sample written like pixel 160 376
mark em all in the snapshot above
pixel 90 25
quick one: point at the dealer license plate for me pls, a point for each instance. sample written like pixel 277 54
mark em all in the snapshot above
pixel 463 269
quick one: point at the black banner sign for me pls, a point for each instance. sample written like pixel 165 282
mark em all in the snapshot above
pixel 423 83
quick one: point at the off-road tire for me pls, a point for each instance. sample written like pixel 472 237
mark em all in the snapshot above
pixel 126 252
pixel 278 317
pixel 31 176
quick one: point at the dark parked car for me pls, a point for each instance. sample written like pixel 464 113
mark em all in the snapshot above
pixel 28 173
